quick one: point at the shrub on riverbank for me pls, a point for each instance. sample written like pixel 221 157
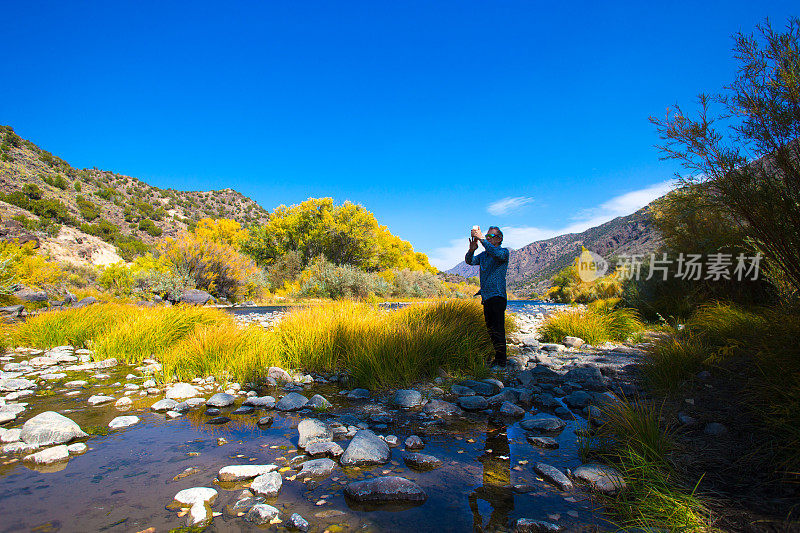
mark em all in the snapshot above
pixel 598 322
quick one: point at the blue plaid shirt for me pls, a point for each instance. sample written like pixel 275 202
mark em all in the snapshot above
pixel 493 264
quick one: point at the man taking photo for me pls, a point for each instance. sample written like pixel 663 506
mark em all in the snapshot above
pixel 493 263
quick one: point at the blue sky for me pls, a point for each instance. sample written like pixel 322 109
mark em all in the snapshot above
pixel 434 115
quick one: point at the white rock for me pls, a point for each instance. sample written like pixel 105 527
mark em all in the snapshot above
pixel 181 391
pixel 49 455
pixel 123 403
pixel 123 422
pixel 242 472
pixel 49 428
pixel 77 448
pixel 99 399
pixel 199 515
pixel 196 494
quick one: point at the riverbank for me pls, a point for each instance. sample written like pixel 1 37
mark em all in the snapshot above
pixel 494 437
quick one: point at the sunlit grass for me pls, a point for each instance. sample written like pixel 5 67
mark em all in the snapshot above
pixel 380 347
pixel 597 323
pixel 376 347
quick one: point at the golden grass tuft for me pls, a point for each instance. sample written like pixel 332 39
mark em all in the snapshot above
pixel 597 323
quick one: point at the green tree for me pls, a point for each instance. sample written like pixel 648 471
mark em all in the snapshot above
pixel 742 145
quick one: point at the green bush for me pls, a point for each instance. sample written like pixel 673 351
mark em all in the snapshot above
pixel 417 283
pixel 130 247
pixel 32 191
pixel 117 278
pixel 105 193
pixel 337 282
pixel 148 226
pixel 77 186
pixel 58 181
pixel 103 229
pixel 88 209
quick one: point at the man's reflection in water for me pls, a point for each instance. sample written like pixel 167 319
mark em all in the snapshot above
pixel 496 489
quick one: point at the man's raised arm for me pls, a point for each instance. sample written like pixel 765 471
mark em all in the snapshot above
pixel 501 254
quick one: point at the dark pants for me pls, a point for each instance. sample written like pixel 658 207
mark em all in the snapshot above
pixel 494 311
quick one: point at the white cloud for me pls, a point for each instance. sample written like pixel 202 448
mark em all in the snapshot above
pixel 518 236
pixel 508 205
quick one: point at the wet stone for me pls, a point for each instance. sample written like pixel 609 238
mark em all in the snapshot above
pixel 267 485
pixel 513 410
pixel 553 475
pixel 358 394
pixel 244 410
pixel 242 472
pixel 543 442
pixel 164 405
pixel 460 390
pixel 265 421
pixel 319 402
pixel 123 422
pixel 196 494
pixel 473 403
pixel 217 420
pixel 366 448
pixel 386 489
pixel 99 399
pixel 331 449
pixel 15 384
pixel 221 399
pixel 543 424
pixel 298 523
pixel 48 456
pixel 407 398
pixel 529 525
pixel 261 513
pixel 414 443
pixel 313 430
pixel 601 478
pixel 49 428
pixel 317 468
pixel 421 461
pixel 260 402
pixel 292 402
pixel 212 411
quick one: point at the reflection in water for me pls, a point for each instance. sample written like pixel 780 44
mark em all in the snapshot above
pixel 496 489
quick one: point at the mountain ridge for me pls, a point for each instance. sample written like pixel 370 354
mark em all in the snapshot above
pixel 531 267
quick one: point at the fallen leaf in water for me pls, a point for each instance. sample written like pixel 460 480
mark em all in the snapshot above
pixel 148 530
pixel 182 512
pixel 192 454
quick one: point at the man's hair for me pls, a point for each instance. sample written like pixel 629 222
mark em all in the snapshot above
pixel 499 232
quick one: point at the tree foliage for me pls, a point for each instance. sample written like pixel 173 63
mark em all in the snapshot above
pixel 743 145
pixel 214 267
pixel 346 234
pixel 222 231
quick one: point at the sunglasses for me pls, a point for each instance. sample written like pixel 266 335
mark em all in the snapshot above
pixel 491 235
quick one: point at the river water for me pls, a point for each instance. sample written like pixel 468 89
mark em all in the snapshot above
pixel 128 477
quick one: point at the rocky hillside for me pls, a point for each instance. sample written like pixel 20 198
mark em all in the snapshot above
pixel 531 267
pixel 44 194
